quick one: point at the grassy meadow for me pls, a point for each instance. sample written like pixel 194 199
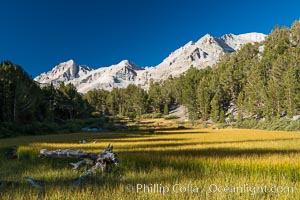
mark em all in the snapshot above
pixel 170 164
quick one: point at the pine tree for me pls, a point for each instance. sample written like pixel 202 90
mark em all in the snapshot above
pixel 20 95
pixel 215 109
pixel 190 92
pixel 155 97
pixel 240 106
pixel 166 109
pixel 70 103
pixel 222 116
pixel 204 97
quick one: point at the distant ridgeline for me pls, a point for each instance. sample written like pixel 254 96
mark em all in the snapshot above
pixel 259 83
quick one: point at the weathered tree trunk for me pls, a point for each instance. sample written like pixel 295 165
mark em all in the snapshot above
pixel 64 153
pixel 104 160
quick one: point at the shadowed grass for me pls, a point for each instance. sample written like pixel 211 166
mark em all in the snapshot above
pixel 226 157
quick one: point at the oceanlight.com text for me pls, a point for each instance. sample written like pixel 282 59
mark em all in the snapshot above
pixel 208 188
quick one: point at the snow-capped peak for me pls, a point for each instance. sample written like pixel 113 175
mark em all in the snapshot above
pixel 63 72
pixel 118 75
pixel 236 41
pixel 207 38
pixel 126 63
pixel 69 62
pixel 258 37
pixel 202 53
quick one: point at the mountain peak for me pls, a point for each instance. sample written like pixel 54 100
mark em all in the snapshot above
pixel 63 66
pixel 124 62
pixel 230 35
pixel 258 37
pixel 71 62
pixel 205 52
pixel 63 72
pixel 127 63
pixel 206 39
pixel 207 35
pixel 236 41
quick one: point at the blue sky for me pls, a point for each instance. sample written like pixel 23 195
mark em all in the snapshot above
pixel 40 34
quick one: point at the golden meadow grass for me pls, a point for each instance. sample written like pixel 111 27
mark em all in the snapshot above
pixel 202 158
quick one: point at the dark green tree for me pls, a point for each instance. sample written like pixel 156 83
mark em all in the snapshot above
pixel 19 94
pixel 215 109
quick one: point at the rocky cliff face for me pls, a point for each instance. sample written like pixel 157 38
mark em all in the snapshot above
pixel 119 75
pixel 64 72
pixel 205 52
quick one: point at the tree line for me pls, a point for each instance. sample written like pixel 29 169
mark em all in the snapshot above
pixel 260 81
pixel 23 101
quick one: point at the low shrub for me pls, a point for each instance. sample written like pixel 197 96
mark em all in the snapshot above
pixel 71 127
pixel 156 115
pixel 95 114
pixel 5 132
pixel 272 125
pixel 221 125
pixel 293 126
pixel 147 116
pixel 171 117
pixel 151 115
pixel 248 123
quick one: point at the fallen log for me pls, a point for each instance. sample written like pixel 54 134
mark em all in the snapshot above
pixel 103 161
pixel 64 153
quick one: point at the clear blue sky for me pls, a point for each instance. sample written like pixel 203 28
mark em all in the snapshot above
pixel 38 34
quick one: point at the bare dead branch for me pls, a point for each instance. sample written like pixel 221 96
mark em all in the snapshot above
pixel 103 161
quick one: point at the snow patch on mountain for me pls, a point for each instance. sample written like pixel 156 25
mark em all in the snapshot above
pixel 64 72
pixel 205 52
pixel 200 54
pixel 119 75
pixel 236 41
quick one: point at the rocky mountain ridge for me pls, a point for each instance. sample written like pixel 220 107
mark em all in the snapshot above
pixel 205 52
